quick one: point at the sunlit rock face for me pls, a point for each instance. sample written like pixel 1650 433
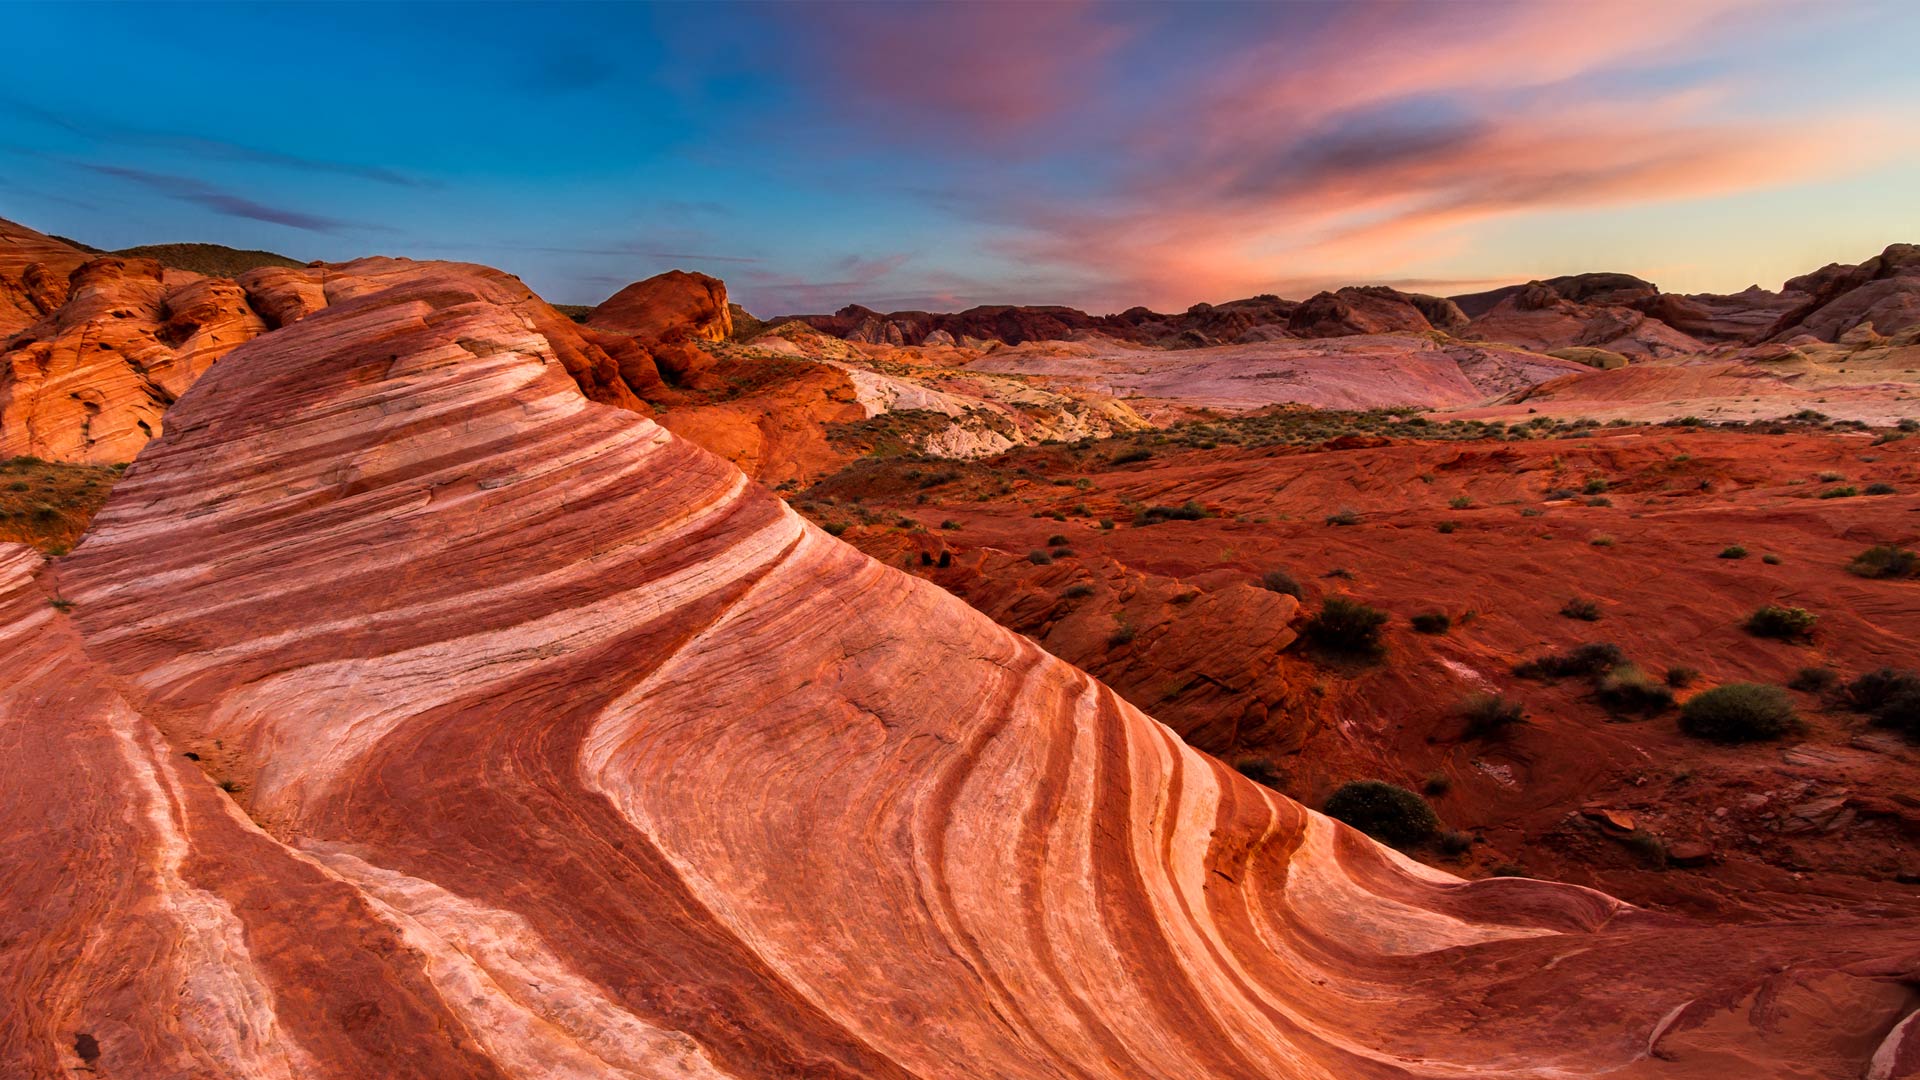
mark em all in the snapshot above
pixel 407 714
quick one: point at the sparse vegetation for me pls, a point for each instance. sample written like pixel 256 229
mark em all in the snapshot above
pixel 1733 551
pixel 1280 581
pixel 1891 696
pixel 1387 812
pixel 1740 712
pixel 1782 623
pixel 1628 689
pixel 1488 715
pixel 1584 610
pixel 1593 659
pixel 1847 492
pixel 1038 557
pixel 1187 511
pixel 1881 489
pixel 1814 680
pixel 1346 626
pixel 1344 516
pixel 1885 561
pixel 1432 622
pixel 1682 677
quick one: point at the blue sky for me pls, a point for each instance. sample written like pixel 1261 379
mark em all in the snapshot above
pixel 921 155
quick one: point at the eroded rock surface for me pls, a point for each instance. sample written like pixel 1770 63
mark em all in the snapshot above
pixel 91 381
pixel 551 747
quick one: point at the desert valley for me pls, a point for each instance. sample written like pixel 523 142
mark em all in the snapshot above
pixel 407 677
pixel 952 540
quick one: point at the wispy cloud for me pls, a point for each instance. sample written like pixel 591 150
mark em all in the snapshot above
pixel 200 193
pixel 103 131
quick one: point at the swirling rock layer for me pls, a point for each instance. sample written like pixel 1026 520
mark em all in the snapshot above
pixel 551 747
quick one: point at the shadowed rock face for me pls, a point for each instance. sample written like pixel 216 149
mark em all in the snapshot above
pixel 1373 309
pixel 554 748
pixel 1882 294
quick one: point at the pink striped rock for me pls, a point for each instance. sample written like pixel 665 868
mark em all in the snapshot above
pixel 552 747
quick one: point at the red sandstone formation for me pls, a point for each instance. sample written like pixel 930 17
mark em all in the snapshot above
pixel 668 308
pixel 33 275
pixel 408 714
pixel 1373 310
pixel 1879 297
pixel 1539 317
pixel 91 381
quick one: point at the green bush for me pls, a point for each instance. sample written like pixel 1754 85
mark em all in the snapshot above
pixel 1459 502
pixel 1344 516
pixel 1594 659
pixel 1488 715
pixel 1447 526
pixel 1885 561
pixel 1628 689
pixel 1846 492
pixel 1387 812
pixel 1891 696
pixel 1597 486
pixel 1281 582
pixel 1584 610
pixel 1682 677
pixel 1733 551
pixel 1784 623
pixel 1880 489
pixel 1039 558
pixel 1346 626
pixel 1432 622
pixel 1814 680
pixel 1056 540
pixel 1739 713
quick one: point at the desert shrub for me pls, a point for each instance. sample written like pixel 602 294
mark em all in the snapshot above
pixel 1459 502
pixel 1281 582
pixel 835 528
pixel 1056 540
pixel 1682 677
pixel 1885 561
pixel 1596 658
pixel 1597 486
pixel 1387 812
pixel 1078 592
pixel 1599 500
pixel 1106 523
pixel 1453 842
pixel 1733 551
pixel 1344 516
pixel 1260 771
pixel 1488 715
pixel 1346 626
pixel 1831 477
pixel 1784 623
pixel 1847 492
pixel 1187 511
pixel 1814 680
pixel 1628 689
pixel 1557 494
pixel 950 524
pixel 1447 526
pixel 1603 540
pixel 1891 696
pixel 1432 622
pixel 1584 610
pixel 1438 783
pixel 1063 553
pixel 1739 713
pixel 945 560
pixel 1138 453
pixel 1038 557
pixel 1770 560
pixel 1880 489
pixel 1122 636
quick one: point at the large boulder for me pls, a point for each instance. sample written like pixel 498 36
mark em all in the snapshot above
pixel 668 308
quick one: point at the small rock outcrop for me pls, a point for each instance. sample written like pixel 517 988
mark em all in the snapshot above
pixel 668 308
pixel 1373 309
